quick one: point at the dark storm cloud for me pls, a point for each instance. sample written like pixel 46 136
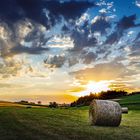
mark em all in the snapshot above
pixel 101 25
pixel 71 59
pixel 125 23
pixel 65 28
pixel 55 61
pixel 80 34
pixel 37 35
pixel 9 45
pixel 32 50
pixel 82 37
pixel 82 40
pixel 38 12
pixel 10 11
pixel 14 10
pixel 84 57
pixel 89 57
pixel 69 10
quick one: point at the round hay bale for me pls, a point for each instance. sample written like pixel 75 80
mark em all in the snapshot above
pixel 125 110
pixel 29 106
pixel 105 113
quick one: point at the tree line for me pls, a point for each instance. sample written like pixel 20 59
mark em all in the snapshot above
pixel 86 100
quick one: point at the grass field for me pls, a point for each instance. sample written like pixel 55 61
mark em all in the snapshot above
pixel 132 102
pixel 20 123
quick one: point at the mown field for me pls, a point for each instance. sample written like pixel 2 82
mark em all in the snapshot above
pixel 20 123
pixel 132 102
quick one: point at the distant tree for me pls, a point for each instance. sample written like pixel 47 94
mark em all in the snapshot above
pixel 23 102
pixel 31 103
pixel 73 104
pixel 53 105
pixel 39 102
pixel 134 93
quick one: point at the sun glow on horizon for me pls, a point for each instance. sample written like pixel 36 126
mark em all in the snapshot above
pixel 94 87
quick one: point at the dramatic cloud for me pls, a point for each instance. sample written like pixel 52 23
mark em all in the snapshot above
pixel 122 25
pixel 60 42
pixel 137 38
pixel 36 10
pixel 14 42
pixel 134 49
pixel 57 8
pixel 137 3
pixel 43 42
pixel 104 71
pixel 100 24
pixel 73 61
pixel 10 68
pixel 127 22
pixel 89 57
pixel 55 61
pixel 22 49
pixel 21 20
pixel 81 40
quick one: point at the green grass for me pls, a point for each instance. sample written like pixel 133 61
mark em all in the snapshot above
pixel 131 99
pixel 132 102
pixel 62 124
pixel 20 123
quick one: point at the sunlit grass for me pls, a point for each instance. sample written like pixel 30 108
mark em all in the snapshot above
pixel 52 124
pixel 65 124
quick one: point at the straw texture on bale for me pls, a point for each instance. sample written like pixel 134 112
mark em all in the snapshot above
pixel 105 113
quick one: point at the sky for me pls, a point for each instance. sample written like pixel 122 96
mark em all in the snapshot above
pixel 62 49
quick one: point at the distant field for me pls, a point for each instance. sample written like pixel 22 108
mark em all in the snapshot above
pixel 132 99
pixel 10 104
pixel 6 104
pixel 20 123
pixel 132 102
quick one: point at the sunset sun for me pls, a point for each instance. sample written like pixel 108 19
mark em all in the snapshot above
pixel 97 87
pixel 94 87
